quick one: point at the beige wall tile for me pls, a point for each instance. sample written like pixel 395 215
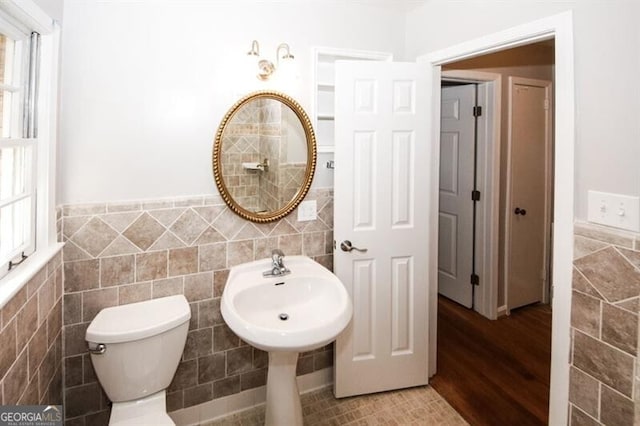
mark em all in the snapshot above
pixel 224 338
pixel 151 266
pixel 198 395
pixel 8 347
pixel 313 244
pixel 117 270
pixel 239 360
pixel 199 343
pixel 620 328
pixel 583 246
pixel 183 261
pixel 95 300
pixel 72 308
pixel 188 226
pixel 94 236
pixel 13 306
pixel 168 287
pixel 81 275
pixel 212 257
pixel 585 314
pixel 603 362
pixel 211 367
pixel 253 379
pixel 37 349
pixel 73 371
pixel 144 231
pixel 16 380
pixel 186 375
pixel 174 401
pixel 615 409
pixel 584 392
pixel 604 234
pixel 134 293
pixel 611 274
pixel 46 299
pixel 82 400
pixel 226 386
pixel 74 339
pixel 198 286
pixel 239 252
pixel 54 322
pixel 27 322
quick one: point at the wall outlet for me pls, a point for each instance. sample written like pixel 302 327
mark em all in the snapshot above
pixel 307 210
pixel 620 211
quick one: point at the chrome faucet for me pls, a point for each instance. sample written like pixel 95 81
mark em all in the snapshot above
pixel 277 265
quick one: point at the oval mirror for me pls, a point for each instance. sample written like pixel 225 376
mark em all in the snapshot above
pixel 264 156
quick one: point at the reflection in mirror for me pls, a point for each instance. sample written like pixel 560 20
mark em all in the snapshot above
pixel 264 156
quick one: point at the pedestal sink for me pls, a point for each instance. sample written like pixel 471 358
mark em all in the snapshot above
pixel 285 315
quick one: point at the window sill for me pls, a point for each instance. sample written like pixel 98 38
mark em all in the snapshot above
pixel 14 281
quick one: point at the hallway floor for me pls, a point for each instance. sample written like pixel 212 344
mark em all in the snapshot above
pixel 495 372
pixel 416 406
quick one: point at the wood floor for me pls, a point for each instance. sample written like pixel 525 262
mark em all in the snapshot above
pixel 494 372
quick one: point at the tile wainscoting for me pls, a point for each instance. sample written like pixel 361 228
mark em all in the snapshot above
pixel 128 252
pixel 31 340
pixel 604 327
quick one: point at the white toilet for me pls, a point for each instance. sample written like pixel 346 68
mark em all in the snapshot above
pixel 135 350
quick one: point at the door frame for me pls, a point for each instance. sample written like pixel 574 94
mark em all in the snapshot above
pixel 560 28
pixel 547 85
pixel 488 179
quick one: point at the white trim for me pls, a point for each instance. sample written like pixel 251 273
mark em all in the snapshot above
pixel 47 138
pixel 27 16
pixel 12 283
pixel 548 175
pixel 228 405
pixel 488 178
pixel 559 27
pixel 338 54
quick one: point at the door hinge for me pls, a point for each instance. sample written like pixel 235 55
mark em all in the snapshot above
pixel 475 279
pixel 475 195
pixel 477 111
pixel 546 104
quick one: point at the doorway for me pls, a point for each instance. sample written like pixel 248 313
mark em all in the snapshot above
pixel 469 346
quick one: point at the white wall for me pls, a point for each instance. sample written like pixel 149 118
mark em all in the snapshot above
pixel 607 66
pixel 145 83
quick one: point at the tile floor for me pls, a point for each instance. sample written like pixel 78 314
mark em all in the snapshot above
pixel 416 406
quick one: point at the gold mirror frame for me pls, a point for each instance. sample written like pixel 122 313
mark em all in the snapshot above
pixel 311 158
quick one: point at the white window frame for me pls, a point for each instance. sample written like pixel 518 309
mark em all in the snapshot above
pixel 26 16
pixel 17 138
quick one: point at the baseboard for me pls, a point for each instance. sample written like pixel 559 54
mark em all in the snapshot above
pixel 221 407
pixel 502 311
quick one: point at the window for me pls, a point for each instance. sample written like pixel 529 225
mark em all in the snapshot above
pixel 18 145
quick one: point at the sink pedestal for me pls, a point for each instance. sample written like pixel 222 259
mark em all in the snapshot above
pixel 283 398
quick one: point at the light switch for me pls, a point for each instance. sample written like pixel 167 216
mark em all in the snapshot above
pixel 619 211
pixel 307 210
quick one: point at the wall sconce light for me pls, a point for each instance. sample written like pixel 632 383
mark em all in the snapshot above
pixel 265 67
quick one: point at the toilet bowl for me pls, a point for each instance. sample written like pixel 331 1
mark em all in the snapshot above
pixel 135 350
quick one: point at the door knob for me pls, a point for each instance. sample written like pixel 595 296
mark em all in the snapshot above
pixel 346 246
pixel 520 211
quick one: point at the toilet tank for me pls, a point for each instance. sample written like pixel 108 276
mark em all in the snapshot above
pixel 143 346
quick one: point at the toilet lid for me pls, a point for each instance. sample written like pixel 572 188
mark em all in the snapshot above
pixel 137 321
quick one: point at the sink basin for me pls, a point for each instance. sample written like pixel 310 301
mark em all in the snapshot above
pixel 297 312
pixel 285 315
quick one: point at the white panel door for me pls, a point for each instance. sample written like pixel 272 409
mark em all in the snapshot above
pixel 529 191
pixel 381 191
pixel 455 216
